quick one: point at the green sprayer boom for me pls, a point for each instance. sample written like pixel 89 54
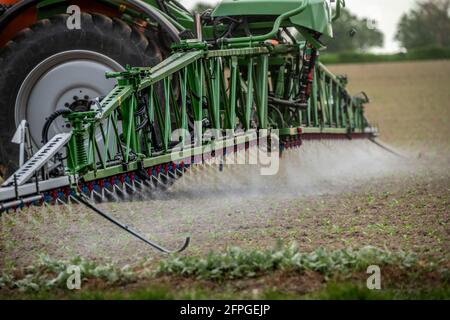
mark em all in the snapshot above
pixel 247 77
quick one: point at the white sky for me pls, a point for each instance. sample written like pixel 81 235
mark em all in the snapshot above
pixel 386 12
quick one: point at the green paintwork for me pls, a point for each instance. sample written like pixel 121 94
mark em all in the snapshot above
pixel 224 89
pixel 236 84
pixel 316 16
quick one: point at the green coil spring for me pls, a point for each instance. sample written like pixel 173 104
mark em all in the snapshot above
pixel 81 154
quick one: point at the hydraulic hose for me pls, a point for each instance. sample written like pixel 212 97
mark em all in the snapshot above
pixel 276 27
pixel 298 104
pixel 50 120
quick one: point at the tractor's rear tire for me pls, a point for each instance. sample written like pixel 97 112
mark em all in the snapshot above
pixel 46 63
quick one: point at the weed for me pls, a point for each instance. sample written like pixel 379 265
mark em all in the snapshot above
pixel 50 273
pixel 237 263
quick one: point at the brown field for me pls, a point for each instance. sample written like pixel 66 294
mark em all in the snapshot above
pixel 410 101
pixel 357 196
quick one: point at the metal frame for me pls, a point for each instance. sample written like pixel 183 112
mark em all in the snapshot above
pixel 234 85
pixel 221 97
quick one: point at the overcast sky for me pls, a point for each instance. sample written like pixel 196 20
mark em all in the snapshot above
pixel 386 12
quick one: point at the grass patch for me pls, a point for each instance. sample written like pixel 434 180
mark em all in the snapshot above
pixel 412 55
pixel 353 291
pixel 331 291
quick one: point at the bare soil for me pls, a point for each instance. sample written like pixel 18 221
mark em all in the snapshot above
pixel 352 194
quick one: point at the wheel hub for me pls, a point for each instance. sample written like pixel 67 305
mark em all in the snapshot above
pixel 68 79
pixel 79 105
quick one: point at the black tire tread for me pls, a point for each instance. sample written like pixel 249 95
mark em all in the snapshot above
pixel 122 42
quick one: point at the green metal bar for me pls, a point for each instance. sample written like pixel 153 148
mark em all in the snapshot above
pixel 158 105
pixel 184 120
pixel 323 69
pixel 263 69
pixel 114 100
pixel 113 145
pixel 135 145
pixel 323 101
pixel 233 92
pixel 224 87
pixel 216 92
pixel 236 52
pixel 171 65
pixel 193 85
pixel 249 101
pixel 315 93
pixel 343 112
pixel 176 111
pixel 350 114
pixel 241 90
pixel 360 122
pixel 151 104
pixel 92 143
pixel 128 113
pixel 198 127
pixel 167 122
pixel 330 101
pixel 308 114
pixel 91 150
pixel 97 148
pixel 105 137
pixel 338 106
pixel 279 91
pixel 116 133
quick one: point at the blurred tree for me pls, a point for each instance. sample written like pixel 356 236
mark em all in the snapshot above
pixel 427 25
pixel 354 34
